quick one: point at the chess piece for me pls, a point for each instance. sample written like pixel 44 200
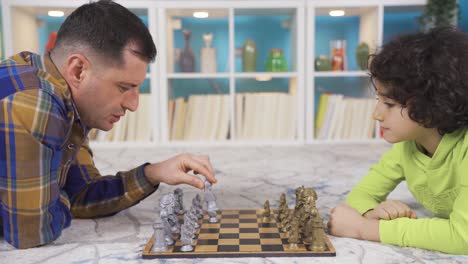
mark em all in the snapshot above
pixel 196 202
pixel 186 234
pixel 294 237
pixel 159 242
pixel 308 227
pixel 208 55
pixel 179 204
pixel 189 224
pixel 318 235
pixel 283 210
pixel 210 201
pixel 266 212
pixel 167 203
pixel 193 217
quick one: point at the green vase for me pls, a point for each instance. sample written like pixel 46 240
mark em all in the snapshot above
pixel 276 61
pixel 249 56
pixel 322 63
pixel 362 55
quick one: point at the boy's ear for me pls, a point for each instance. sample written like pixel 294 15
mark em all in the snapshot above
pixel 77 66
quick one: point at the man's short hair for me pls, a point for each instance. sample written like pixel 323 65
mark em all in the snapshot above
pixel 106 28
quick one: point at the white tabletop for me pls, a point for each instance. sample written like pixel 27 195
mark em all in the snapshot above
pixel 247 176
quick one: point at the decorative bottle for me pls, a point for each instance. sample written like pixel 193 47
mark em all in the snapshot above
pixel 187 58
pixel 208 55
pixel 249 56
pixel 338 57
pixel 276 61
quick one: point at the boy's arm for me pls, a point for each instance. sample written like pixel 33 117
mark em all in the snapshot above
pixel 382 178
pixel 33 208
pixel 93 195
pixel 445 235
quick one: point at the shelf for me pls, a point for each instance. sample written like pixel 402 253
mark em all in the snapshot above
pixel 197 75
pixel 260 75
pixel 303 30
pixel 341 74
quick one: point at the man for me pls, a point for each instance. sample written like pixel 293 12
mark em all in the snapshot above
pixel 47 107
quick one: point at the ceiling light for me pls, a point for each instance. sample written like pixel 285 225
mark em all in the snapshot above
pixel 337 13
pixel 200 14
pixel 55 13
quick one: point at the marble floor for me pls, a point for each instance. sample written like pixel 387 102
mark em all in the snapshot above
pixel 247 176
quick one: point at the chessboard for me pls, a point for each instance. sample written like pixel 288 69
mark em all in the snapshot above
pixel 239 233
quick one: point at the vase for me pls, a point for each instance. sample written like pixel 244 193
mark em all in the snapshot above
pixel 362 55
pixel 249 56
pixel 208 55
pixel 322 63
pixel 276 61
pixel 187 58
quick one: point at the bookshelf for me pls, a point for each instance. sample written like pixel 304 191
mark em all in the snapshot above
pixel 348 94
pixel 234 106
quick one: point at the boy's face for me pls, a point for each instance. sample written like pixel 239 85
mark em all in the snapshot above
pixel 395 123
pixel 107 92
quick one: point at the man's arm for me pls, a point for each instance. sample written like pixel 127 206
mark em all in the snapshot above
pixel 93 195
pixel 33 208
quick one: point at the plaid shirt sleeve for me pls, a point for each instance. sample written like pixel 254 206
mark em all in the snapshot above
pixel 93 195
pixel 33 208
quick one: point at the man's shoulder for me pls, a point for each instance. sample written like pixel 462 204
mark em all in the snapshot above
pixel 25 71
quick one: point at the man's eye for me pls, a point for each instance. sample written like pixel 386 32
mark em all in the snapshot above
pixel 389 104
pixel 123 88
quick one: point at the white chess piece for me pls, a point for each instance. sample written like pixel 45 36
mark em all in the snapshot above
pixel 210 201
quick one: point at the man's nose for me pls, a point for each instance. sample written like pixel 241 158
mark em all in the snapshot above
pixel 131 101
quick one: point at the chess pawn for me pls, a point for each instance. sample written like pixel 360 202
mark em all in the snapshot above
pixel 193 217
pixel 294 238
pixel 208 55
pixel 179 201
pixel 318 239
pixel 159 242
pixel 196 204
pixel 167 203
pixel 266 211
pixel 186 238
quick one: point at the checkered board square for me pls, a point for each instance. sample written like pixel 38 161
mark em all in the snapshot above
pixel 239 233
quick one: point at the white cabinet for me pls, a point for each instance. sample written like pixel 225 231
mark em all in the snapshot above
pixel 229 91
pixel 340 96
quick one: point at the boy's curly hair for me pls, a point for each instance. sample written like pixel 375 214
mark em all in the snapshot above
pixel 428 74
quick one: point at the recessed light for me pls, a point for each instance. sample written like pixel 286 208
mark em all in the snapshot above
pixel 200 14
pixel 55 13
pixel 337 13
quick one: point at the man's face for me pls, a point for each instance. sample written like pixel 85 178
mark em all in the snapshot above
pixel 105 93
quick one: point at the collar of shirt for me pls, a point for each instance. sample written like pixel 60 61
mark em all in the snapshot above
pixel 51 68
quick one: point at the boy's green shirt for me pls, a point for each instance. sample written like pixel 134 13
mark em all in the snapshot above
pixel 439 183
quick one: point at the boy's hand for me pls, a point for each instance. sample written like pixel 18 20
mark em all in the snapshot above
pixel 390 209
pixel 175 170
pixel 346 221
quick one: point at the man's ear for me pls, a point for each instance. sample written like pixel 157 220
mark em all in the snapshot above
pixel 77 67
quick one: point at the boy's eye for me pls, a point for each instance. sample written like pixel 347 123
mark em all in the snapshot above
pixel 389 104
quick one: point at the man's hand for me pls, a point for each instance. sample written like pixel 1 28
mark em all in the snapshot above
pixel 390 209
pixel 346 221
pixel 175 170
